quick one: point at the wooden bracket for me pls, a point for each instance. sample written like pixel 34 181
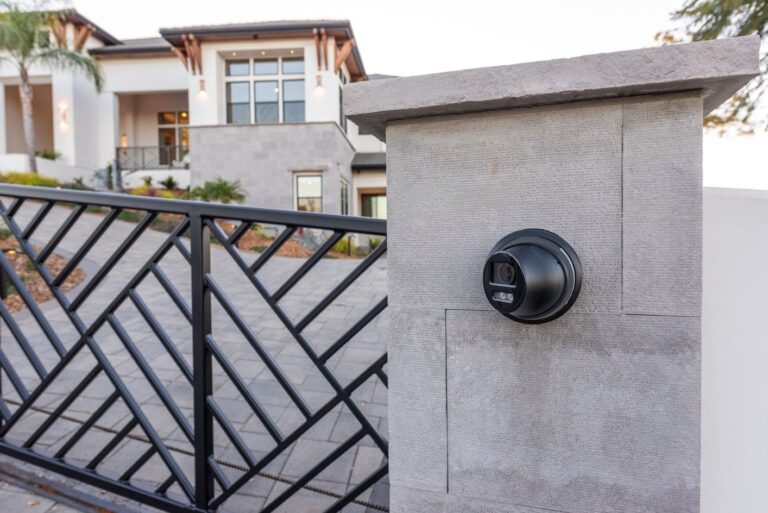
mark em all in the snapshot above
pixel 189 54
pixel 343 54
pixel 59 32
pixel 324 41
pixel 318 50
pixel 82 37
pixel 182 57
pixel 198 55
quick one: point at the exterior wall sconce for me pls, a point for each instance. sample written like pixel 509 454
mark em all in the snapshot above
pixel 319 84
pixel 202 93
pixel 63 116
pixel 532 276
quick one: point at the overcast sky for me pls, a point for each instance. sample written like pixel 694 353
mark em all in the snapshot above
pixel 414 37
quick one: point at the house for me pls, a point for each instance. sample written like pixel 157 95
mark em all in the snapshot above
pixel 256 102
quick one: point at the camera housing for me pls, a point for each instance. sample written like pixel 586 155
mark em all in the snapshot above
pixel 532 276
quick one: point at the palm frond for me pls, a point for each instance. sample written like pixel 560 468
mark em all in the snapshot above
pixel 62 59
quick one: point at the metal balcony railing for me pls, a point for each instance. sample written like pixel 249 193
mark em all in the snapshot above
pixel 134 158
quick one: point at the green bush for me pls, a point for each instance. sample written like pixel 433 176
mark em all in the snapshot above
pixel 169 182
pixel 77 184
pixel 147 181
pixel 345 246
pixel 221 190
pixel 17 178
pixel 48 154
pixel 374 242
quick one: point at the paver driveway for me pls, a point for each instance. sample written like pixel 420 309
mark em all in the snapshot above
pixel 338 426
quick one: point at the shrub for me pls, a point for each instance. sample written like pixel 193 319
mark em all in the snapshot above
pixel 147 181
pixel 48 154
pixel 18 178
pixel 77 184
pixel 169 182
pixel 374 242
pixel 221 190
pixel 345 246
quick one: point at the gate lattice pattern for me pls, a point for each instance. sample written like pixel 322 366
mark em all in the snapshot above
pixel 109 342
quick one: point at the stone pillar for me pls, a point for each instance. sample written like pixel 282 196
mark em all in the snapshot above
pixel 599 410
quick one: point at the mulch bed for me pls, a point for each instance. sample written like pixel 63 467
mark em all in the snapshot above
pixel 34 284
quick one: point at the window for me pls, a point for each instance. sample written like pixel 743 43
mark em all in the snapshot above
pixel 266 94
pixel 265 67
pixel 237 68
pixel 293 101
pixel 374 205
pixel 265 90
pixel 293 66
pixel 238 102
pixel 342 117
pixel 344 198
pixel 309 193
pixel 172 131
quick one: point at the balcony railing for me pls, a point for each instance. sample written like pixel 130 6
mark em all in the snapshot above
pixel 134 158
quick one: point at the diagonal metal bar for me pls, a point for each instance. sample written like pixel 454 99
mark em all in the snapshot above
pixel 13 376
pixel 88 424
pixel 360 488
pixel 170 289
pixel 314 471
pixel 299 432
pixel 68 400
pixel 110 446
pixel 341 287
pixel 15 206
pixel 218 473
pixel 354 330
pixel 54 241
pixel 36 220
pixel 232 434
pixel 74 261
pixel 34 309
pixel 21 339
pixel 239 232
pixel 238 381
pixel 254 341
pixel 144 458
pixel 307 265
pixel 160 490
pixel 158 387
pixel 182 249
pixel 161 335
pixel 113 260
pixel 273 248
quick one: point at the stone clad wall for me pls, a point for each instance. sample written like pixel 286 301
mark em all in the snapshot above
pixel 598 410
pixel 264 158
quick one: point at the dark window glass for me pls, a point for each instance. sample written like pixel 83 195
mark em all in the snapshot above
pixel 344 198
pixel 166 118
pixel 265 67
pixel 237 68
pixel 238 103
pixel 293 66
pixel 293 101
pixel 309 193
pixel 183 118
pixel 374 205
pixel 266 97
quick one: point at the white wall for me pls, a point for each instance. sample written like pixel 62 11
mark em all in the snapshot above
pixel 365 180
pixel 138 115
pixel 735 352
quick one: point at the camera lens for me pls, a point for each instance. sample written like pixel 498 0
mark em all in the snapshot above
pixel 504 273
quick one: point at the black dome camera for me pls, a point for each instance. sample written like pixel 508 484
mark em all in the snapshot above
pixel 532 276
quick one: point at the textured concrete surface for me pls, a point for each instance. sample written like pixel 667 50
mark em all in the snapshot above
pixel 265 157
pixel 333 430
pixel 718 68
pixel 598 411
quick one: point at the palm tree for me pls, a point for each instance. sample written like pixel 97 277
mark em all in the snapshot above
pixel 25 42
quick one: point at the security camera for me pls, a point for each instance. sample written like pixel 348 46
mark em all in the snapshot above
pixel 532 276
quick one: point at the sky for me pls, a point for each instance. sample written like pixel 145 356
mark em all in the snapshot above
pixel 415 37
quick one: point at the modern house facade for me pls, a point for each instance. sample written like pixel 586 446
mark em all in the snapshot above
pixel 256 102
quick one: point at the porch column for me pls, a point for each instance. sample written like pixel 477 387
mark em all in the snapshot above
pixel 109 137
pixel 598 410
pixel 3 140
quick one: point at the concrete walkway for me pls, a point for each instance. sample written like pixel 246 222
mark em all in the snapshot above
pixel 335 428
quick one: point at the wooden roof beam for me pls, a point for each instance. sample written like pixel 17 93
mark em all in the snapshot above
pixel 343 54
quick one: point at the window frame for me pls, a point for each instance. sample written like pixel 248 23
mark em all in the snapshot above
pixel 252 79
pixel 306 174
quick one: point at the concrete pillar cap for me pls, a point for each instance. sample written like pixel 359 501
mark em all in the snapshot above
pixel 719 68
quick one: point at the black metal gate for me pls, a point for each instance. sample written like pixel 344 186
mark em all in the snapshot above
pixel 198 478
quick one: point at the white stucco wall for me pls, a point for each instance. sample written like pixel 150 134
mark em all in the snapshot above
pixel 734 472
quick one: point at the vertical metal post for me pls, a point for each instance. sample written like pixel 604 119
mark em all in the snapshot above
pixel 200 238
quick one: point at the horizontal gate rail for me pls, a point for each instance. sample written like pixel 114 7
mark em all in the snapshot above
pixel 93 309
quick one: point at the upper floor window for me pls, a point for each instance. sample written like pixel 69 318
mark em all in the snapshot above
pixel 265 90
